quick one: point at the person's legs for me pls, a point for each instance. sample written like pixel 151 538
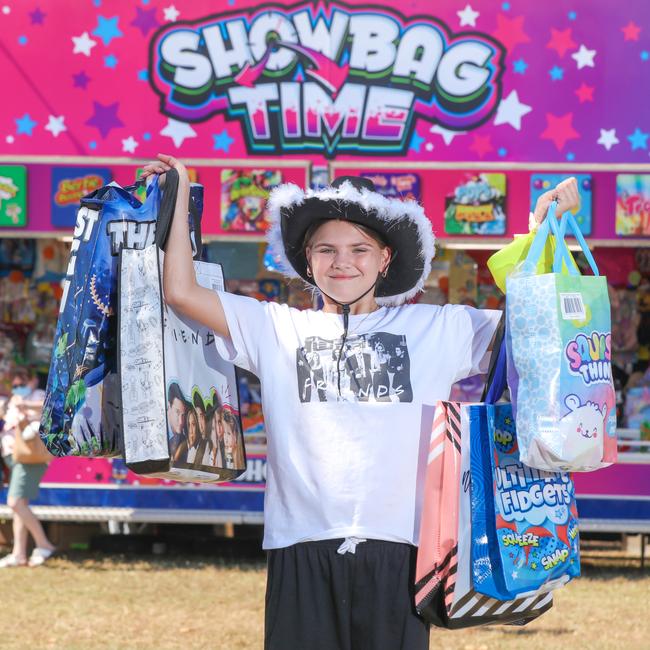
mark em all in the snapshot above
pixel 383 612
pixel 308 598
pixel 28 522
pixel 20 538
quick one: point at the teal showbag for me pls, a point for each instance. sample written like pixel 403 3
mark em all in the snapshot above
pixel 559 358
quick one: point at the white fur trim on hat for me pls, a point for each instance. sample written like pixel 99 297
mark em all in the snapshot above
pixel 387 209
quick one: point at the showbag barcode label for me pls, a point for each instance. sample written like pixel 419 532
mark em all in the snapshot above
pixel 573 307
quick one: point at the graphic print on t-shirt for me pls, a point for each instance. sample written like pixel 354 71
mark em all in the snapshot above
pixel 372 367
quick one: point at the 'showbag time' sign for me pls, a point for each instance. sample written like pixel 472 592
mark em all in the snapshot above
pixel 327 78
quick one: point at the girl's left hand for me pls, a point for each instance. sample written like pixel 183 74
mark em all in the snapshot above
pixel 565 193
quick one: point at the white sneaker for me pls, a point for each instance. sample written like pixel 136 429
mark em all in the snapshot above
pixel 10 561
pixel 40 556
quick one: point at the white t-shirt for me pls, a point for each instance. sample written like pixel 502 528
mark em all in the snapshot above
pixel 347 449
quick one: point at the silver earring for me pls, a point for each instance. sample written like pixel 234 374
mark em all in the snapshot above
pixel 308 272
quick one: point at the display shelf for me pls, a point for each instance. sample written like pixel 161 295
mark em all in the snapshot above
pixel 494 243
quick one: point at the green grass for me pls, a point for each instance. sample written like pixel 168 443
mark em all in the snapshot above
pixel 83 602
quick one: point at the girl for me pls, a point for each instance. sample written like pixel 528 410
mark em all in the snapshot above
pixel 341 506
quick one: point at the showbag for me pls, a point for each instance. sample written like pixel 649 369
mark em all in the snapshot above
pixel 524 520
pixel 81 409
pixel 81 412
pixel 180 404
pixel 445 595
pixel 559 359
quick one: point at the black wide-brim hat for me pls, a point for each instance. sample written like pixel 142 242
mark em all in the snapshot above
pixel 402 224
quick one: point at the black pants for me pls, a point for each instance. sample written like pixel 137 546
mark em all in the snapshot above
pixel 318 599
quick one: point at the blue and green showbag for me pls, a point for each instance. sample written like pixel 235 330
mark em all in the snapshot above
pixel 559 358
pixel 81 413
pixel 524 520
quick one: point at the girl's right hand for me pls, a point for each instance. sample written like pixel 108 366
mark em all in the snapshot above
pixel 163 165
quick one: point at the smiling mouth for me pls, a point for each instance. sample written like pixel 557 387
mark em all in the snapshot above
pixel 343 277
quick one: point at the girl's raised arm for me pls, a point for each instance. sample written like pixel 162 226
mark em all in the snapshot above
pixel 179 280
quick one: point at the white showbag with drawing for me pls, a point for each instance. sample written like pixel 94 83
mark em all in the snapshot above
pixel 180 402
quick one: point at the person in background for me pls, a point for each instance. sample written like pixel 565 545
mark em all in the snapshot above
pixel 23 412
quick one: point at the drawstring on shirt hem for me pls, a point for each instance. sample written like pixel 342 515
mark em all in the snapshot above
pixel 349 545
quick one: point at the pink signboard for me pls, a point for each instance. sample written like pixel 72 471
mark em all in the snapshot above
pixel 446 81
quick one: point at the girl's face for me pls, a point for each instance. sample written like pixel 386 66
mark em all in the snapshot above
pixel 192 429
pixel 217 424
pixel 344 260
pixel 200 415
pixel 230 438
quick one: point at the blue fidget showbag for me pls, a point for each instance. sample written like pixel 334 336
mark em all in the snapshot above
pixel 524 520
pixel 81 413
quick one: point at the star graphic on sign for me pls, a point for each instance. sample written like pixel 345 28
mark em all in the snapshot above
pixel 519 66
pixel 25 125
pixel 585 93
pixel 107 29
pixel 447 134
pixel 556 73
pixel 481 144
pixel 561 41
pixel 129 144
pixel 511 110
pixel 468 16
pixel 584 57
pixel 178 131
pixel 416 142
pixel 145 20
pixel 510 31
pixel 80 80
pixel 631 32
pixel 55 125
pixel 37 16
pixel 171 14
pixel 110 61
pixel 83 44
pixel 104 118
pixel 559 129
pixel 222 141
pixel 638 139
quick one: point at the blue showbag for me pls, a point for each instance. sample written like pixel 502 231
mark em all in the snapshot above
pixel 81 410
pixel 524 520
pixel 81 413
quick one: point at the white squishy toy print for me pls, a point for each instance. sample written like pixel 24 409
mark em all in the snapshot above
pixel 582 430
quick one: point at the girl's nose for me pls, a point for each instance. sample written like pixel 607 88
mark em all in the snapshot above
pixel 342 258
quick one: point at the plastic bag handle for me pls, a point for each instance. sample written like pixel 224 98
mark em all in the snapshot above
pixel 583 244
pixel 536 249
pixel 562 253
pixel 167 208
pixel 562 250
